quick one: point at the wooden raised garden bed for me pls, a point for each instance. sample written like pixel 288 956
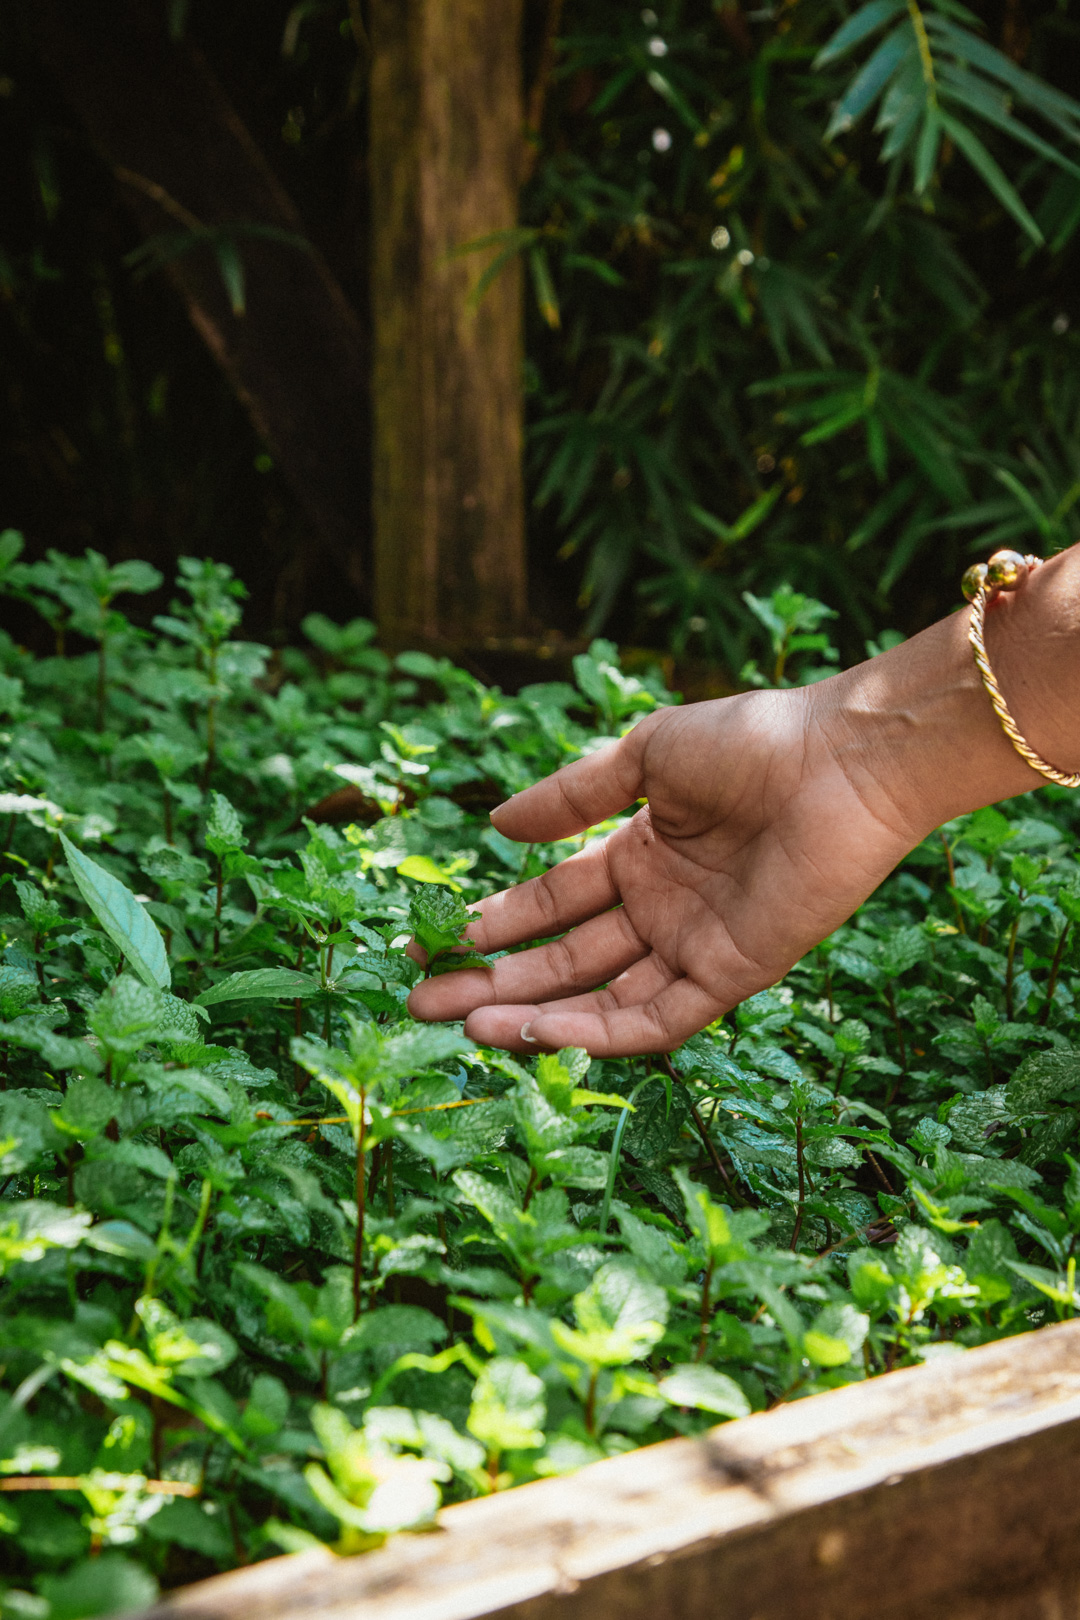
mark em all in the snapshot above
pixel 950 1490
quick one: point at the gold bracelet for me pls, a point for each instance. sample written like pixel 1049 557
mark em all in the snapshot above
pixel 1006 571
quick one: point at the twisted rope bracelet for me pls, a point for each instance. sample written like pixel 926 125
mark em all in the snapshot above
pixel 981 584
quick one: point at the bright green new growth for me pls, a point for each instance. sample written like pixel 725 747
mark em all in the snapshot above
pixel 314 1268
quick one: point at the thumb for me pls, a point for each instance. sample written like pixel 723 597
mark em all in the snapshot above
pixel 578 796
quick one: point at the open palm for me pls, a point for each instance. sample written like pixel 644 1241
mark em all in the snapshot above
pixel 759 837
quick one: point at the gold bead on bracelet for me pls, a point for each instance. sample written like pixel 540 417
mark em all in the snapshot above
pixel 1006 571
pixel 973 581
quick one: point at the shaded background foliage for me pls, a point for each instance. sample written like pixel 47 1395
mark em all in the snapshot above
pixel 754 353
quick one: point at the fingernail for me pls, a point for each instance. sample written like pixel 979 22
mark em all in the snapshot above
pixel 525 1028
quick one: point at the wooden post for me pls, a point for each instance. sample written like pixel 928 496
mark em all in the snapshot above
pixel 944 1492
pixel 446 145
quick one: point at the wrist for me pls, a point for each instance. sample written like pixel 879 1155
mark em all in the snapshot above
pixel 914 731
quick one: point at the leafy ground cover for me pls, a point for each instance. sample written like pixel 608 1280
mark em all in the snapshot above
pixel 282 1267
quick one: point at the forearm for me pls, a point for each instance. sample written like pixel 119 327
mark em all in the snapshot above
pixel 914 729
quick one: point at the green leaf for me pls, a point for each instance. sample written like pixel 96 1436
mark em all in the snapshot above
pixel 231 265
pixel 260 984
pixel 836 1335
pixel 131 929
pixel 620 1316
pixel 508 1406
pixel 547 300
pixel 107 1585
pixel 694 1384
pixel 437 917
pixel 992 173
pixel 871 80
pixel 224 829
pixel 866 21
pixel 422 869
pixel 57 1051
pixel 926 151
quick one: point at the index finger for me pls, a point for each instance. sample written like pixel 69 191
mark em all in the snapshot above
pixel 579 795
pixel 569 893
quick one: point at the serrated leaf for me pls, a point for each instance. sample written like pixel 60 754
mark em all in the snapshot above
pixel 224 829
pixel 260 984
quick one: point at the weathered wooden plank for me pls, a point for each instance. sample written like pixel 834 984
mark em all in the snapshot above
pixel 445 155
pixel 943 1492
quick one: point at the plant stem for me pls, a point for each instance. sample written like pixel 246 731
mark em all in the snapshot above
pixel 879 1172
pixel 590 1402
pixel 703 1336
pixel 890 1002
pixel 800 1162
pixel 1010 963
pixel 361 1188
pixel 211 719
pixel 710 1146
pixel 166 797
pixel 217 908
pixel 299 1077
pixel 200 1222
pixel 1055 969
pixel 101 677
pixel 947 847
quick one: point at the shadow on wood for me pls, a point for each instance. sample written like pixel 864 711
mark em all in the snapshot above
pixel 944 1492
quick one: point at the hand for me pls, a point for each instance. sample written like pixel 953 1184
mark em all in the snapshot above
pixel 770 817
pixel 754 844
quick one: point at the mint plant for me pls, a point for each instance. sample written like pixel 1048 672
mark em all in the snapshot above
pixel 282 1268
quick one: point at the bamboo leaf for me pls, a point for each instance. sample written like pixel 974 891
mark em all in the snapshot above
pixel 856 29
pixel 1053 105
pixel 871 79
pixel 675 101
pixel 964 89
pixel 231 266
pixel 1031 506
pixel 834 424
pixel 883 512
pixel 926 151
pixel 991 172
pixel 546 297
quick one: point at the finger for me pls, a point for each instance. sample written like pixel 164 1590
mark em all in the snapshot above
pixel 573 891
pixel 659 1025
pixel 578 796
pixel 503 1025
pixel 597 951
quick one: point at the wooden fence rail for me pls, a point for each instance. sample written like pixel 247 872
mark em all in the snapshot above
pixel 944 1492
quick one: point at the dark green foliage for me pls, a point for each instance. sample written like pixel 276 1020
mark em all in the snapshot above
pixel 791 317
pixel 281 1267
pixel 804 306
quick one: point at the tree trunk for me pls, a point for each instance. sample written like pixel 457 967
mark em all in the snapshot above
pixel 184 160
pixel 446 131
